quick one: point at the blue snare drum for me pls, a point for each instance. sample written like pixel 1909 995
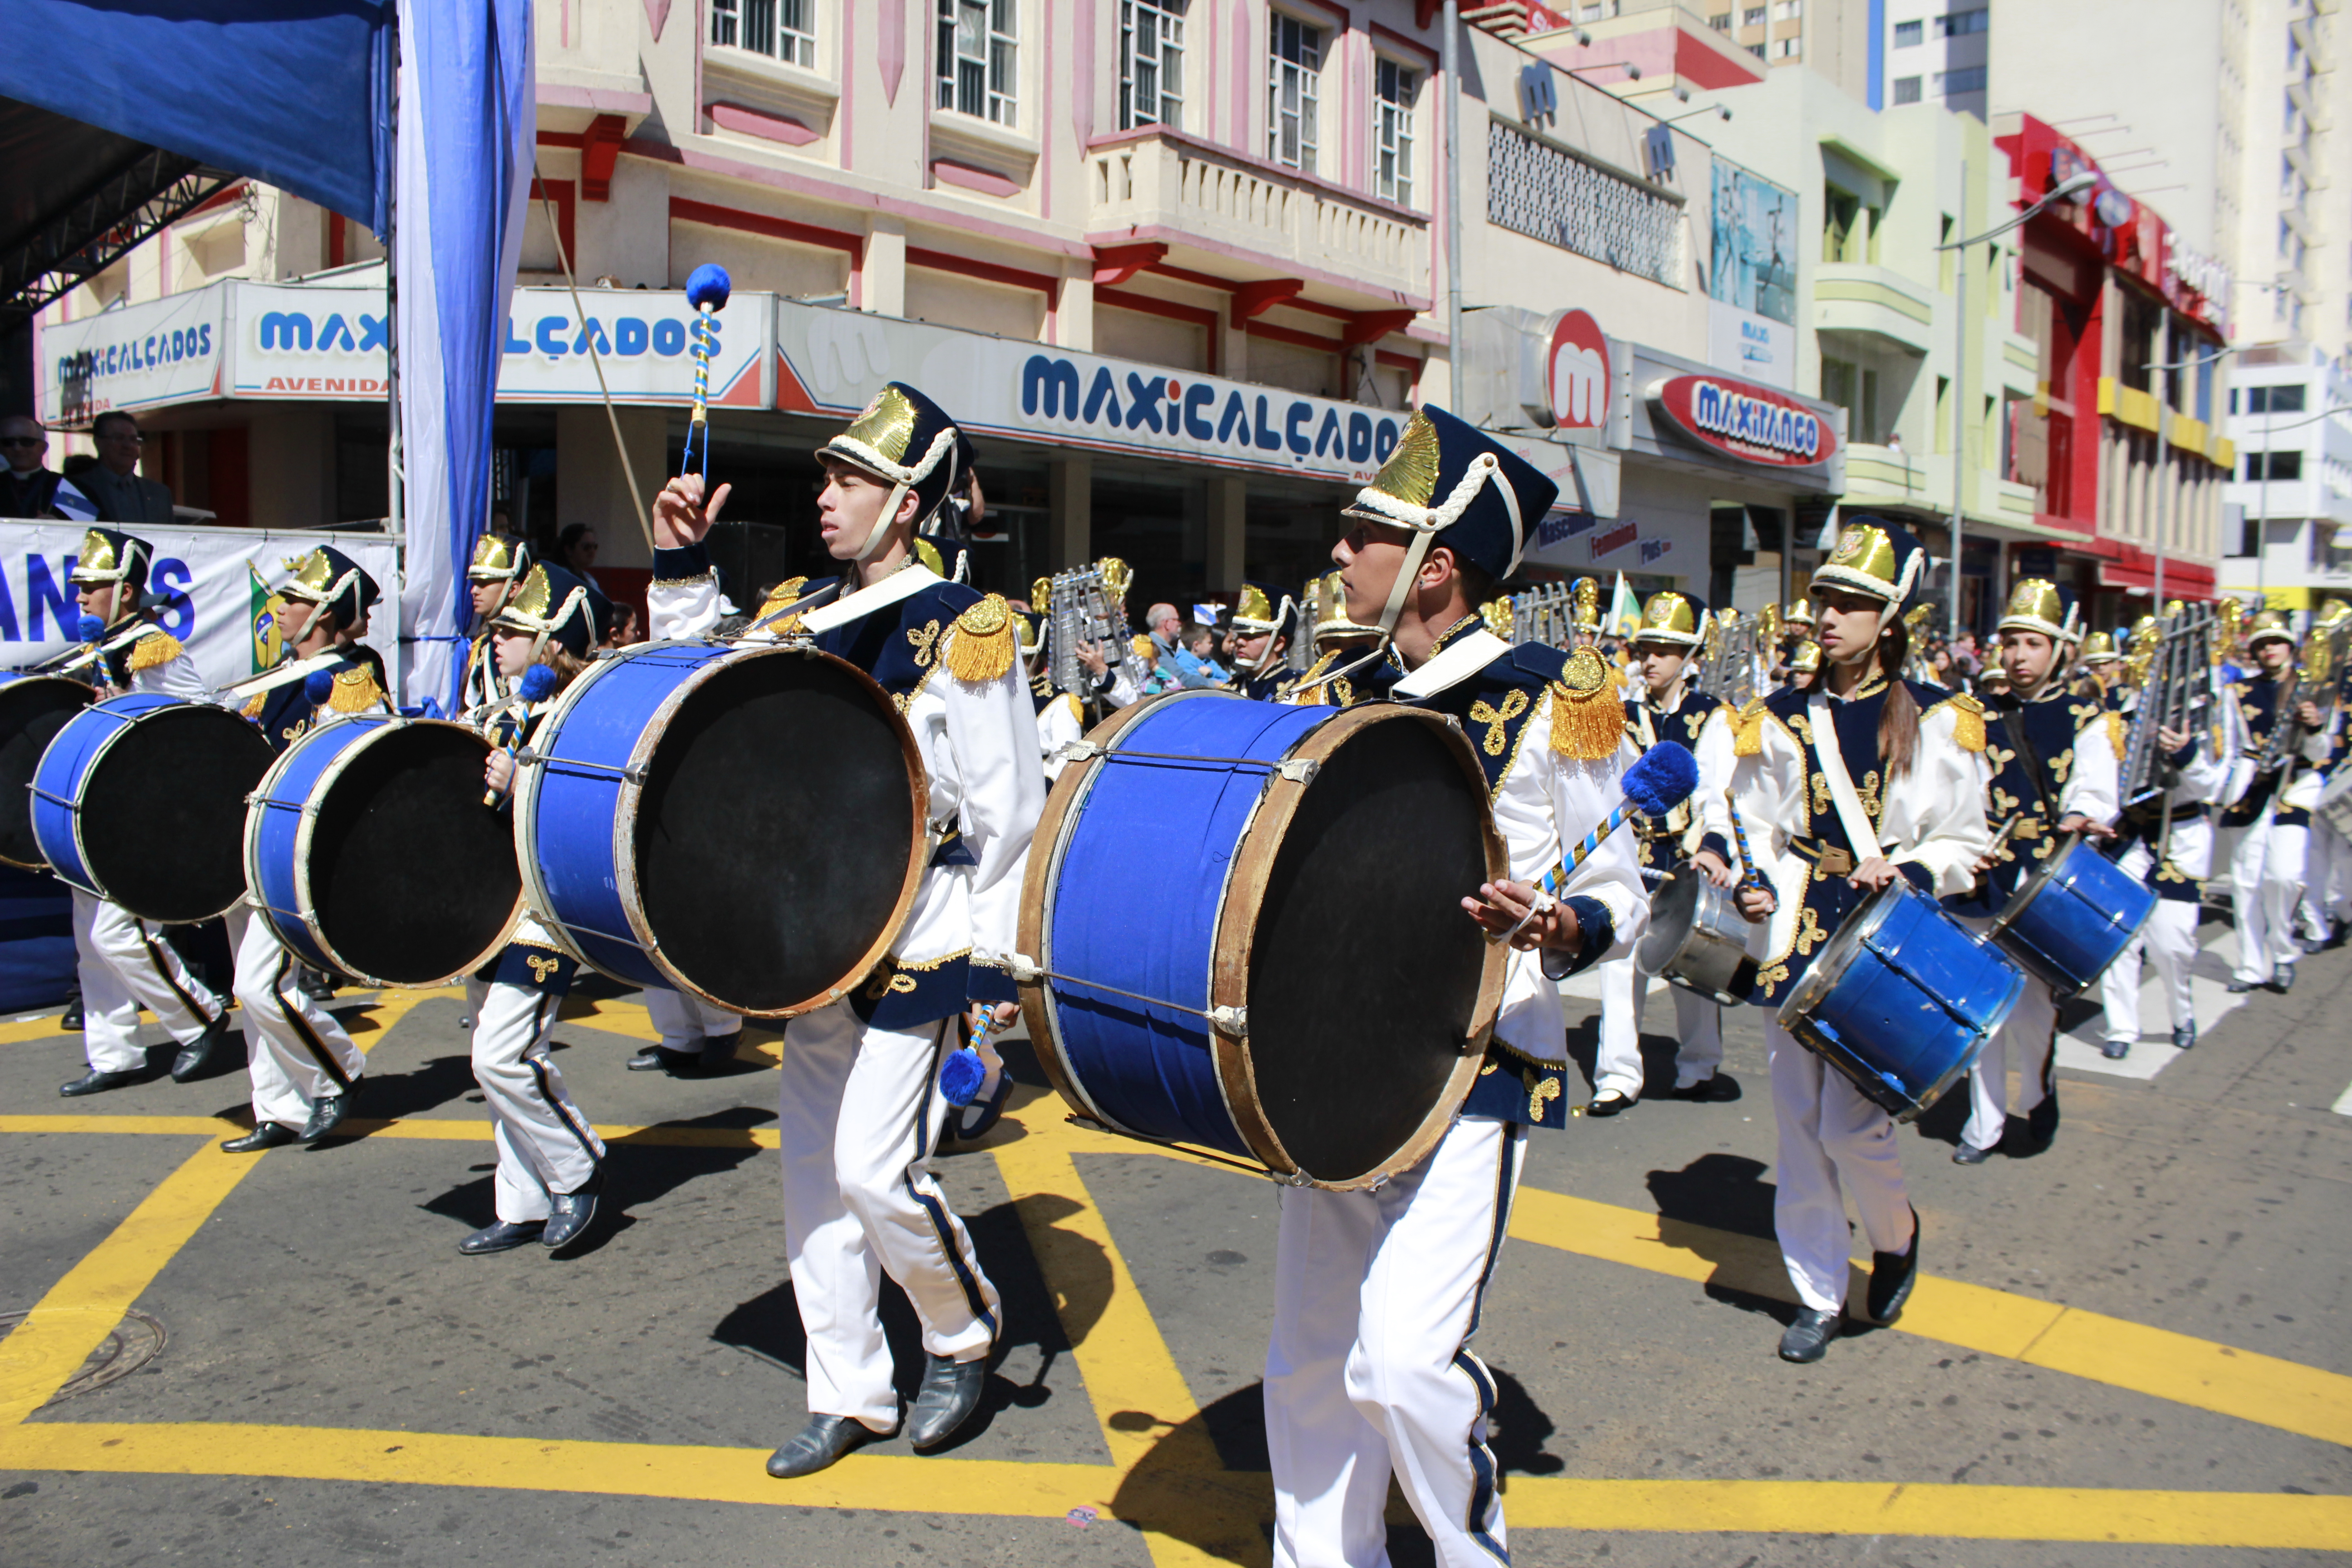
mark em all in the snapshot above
pixel 2075 916
pixel 744 825
pixel 369 850
pixel 1242 930
pixel 1902 999
pixel 140 800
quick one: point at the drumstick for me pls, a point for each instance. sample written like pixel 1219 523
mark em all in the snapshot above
pixel 1660 781
pixel 538 682
pixel 1752 876
pixel 706 288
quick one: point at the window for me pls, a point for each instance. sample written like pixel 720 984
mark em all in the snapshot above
pixel 1908 34
pixel 1395 88
pixel 1841 238
pixel 1753 16
pixel 783 28
pixel 1755 49
pixel 1291 92
pixel 2275 400
pixel 1907 90
pixel 1151 63
pixel 1788 48
pixel 1721 22
pixel 1960 24
pixel 1788 10
pixel 976 58
pixel 1949 84
pixel 2283 466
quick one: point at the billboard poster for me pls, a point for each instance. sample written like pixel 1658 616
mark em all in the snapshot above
pixel 1754 256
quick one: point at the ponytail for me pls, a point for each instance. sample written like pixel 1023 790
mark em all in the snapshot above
pixel 1898 716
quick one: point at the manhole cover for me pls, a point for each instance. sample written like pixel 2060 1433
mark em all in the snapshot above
pixel 134 1341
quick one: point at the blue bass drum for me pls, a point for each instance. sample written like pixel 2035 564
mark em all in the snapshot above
pixel 141 801
pixel 33 709
pixel 369 850
pixel 1902 999
pixel 1242 931
pixel 2072 917
pixel 744 825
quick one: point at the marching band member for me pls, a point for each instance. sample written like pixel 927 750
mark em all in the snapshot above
pixel 304 1067
pixel 1265 623
pixel 1060 719
pixel 1917 811
pixel 861 1110
pixel 695 1037
pixel 122 962
pixel 1804 670
pixel 494 575
pixel 551 1163
pixel 1377 1293
pixel 1667 707
pixel 1341 663
pixel 1797 620
pixel 2266 832
pixel 2099 662
pixel 2055 758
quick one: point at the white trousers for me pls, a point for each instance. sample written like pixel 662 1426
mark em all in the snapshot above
pixel 2170 939
pixel 2325 854
pixel 295 1051
pixel 1369 1370
pixel 1835 1144
pixel 545 1145
pixel 1617 1062
pixel 125 964
pixel 860 1115
pixel 685 1022
pixel 2265 885
pixel 2026 1040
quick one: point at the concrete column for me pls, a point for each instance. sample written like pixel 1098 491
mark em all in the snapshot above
pixel 1233 348
pixel 291 454
pixel 589 484
pixel 1074 320
pixel 882 286
pixel 1228 532
pixel 1070 493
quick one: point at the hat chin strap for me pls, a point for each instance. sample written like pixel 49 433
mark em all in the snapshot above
pixel 1903 589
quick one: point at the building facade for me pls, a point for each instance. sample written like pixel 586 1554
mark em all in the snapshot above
pixel 2290 497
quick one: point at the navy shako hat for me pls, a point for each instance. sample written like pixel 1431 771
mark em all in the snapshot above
pixel 331 579
pixel 110 555
pixel 1452 484
pixel 1265 608
pixel 904 438
pixel 552 605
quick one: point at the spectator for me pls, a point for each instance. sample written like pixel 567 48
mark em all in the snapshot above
pixel 624 633
pixel 575 547
pixel 28 489
pixel 1196 663
pixel 115 486
pixel 1166 627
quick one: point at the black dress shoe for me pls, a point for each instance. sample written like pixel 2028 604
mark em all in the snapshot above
pixel 573 1212
pixel 1969 1153
pixel 498 1237
pixel 327 1113
pixel 1609 1102
pixel 950 1393
pixel 824 1442
pixel 69 1021
pixel 198 1051
pixel 661 1059
pixel 95 1082
pixel 268 1135
pixel 717 1051
pixel 969 1123
pixel 2240 987
pixel 1892 1275
pixel 2283 979
pixel 1714 1089
pixel 2184 1036
pixel 2115 1050
pixel 316 984
pixel 1808 1338
pixel 2042 1122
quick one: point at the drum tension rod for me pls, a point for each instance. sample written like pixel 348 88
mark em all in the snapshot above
pixel 1298 770
pixel 1234 1021
pixel 635 772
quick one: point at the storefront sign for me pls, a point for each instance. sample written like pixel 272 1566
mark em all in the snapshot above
pixel 1576 372
pixel 143 357
pixel 1752 424
pixel 1747 345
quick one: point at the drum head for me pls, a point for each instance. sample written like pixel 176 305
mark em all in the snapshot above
pixel 1365 975
pixel 32 712
pixel 163 811
pixel 412 879
pixel 775 831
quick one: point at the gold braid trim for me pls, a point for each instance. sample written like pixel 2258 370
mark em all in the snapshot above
pixel 2115 732
pixel 355 691
pixel 783 594
pixel 156 648
pixel 1747 731
pixel 1077 714
pixel 252 709
pixel 1588 717
pixel 984 641
pixel 1967 720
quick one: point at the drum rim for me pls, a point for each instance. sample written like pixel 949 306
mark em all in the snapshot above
pixel 1698 927
pixel 123 724
pixel 87 704
pixel 305 906
pixel 1857 929
pixel 2044 876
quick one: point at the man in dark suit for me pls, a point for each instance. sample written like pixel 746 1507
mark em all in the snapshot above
pixel 27 488
pixel 115 486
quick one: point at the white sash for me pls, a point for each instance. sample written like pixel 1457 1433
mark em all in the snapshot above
pixel 1457 663
pixel 1851 816
pixel 903 583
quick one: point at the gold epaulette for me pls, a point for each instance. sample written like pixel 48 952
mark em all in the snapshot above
pixel 984 642
pixel 2115 732
pixel 1587 718
pixel 1747 730
pixel 782 594
pixel 1967 720
pixel 252 710
pixel 156 648
pixel 355 691
pixel 1077 714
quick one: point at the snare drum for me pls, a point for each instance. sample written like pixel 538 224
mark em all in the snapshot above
pixel 369 850
pixel 1242 930
pixel 33 709
pixel 2073 918
pixel 1902 999
pixel 1697 939
pixel 744 825
pixel 141 801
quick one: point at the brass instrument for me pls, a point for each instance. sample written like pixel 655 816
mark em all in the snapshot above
pixel 1088 605
pixel 2171 662
pixel 1727 658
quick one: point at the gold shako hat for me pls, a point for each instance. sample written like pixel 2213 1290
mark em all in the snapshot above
pixel 1584 605
pixel 2038 604
pixel 1676 618
pixel 1804 656
pixel 109 555
pixel 552 605
pixel 498 559
pixel 1331 622
pixel 907 439
pixel 2269 625
pixel 333 581
pixel 1450 483
pixel 2099 648
pixel 1877 558
pixel 1800 612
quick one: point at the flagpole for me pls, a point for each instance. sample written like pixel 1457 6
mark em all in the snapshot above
pixel 395 500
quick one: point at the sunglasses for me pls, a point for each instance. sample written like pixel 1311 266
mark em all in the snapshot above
pixel 23 441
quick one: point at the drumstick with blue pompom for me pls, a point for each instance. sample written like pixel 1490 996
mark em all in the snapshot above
pixel 1753 877
pixel 1662 780
pixel 538 684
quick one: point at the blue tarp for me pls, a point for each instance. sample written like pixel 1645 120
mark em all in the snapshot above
pixel 37 944
pixel 295 93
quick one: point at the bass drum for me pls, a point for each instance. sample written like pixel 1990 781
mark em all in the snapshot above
pixel 141 801
pixel 33 709
pixel 744 825
pixel 1242 930
pixel 369 850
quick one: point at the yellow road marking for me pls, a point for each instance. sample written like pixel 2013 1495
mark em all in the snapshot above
pixel 74 1319
pixel 380 1010
pixel 32 1028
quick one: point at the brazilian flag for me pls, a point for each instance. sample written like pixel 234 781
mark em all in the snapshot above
pixel 268 622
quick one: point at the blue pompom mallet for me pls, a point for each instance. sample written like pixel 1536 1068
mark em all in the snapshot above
pixel 1662 780
pixel 538 683
pixel 960 1077
pixel 89 628
pixel 707 289
pixel 319 685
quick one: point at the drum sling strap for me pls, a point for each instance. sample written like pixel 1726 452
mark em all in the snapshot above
pixel 1851 816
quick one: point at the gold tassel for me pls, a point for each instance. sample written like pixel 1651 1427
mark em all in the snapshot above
pixel 1967 720
pixel 252 709
pixel 1588 720
pixel 355 691
pixel 1747 731
pixel 984 641
pixel 2115 732
pixel 154 648
pixel 783 594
